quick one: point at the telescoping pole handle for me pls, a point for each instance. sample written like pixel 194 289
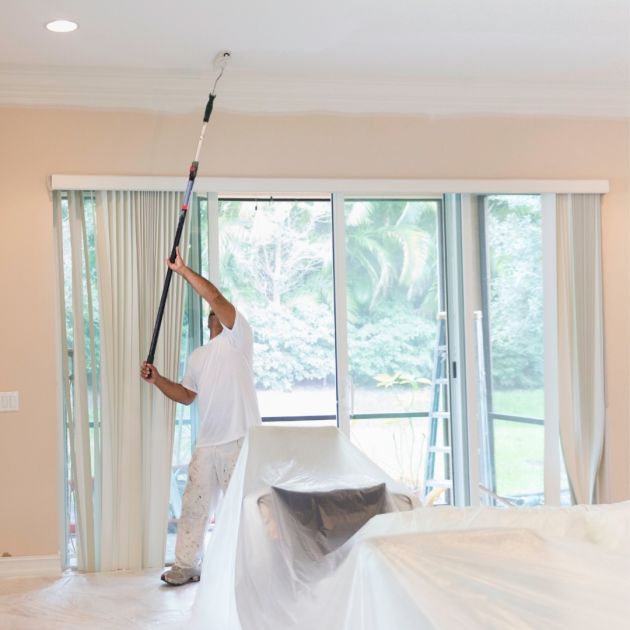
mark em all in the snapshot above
pixel 210 103
pixel 192 174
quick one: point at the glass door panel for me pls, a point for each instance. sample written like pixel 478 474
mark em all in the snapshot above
pixel 395 356
pixel 276 266
pixel 512 296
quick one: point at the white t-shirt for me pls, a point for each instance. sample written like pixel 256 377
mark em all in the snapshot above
pixel 221 374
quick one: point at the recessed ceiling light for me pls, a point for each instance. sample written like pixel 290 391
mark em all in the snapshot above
pixel 62 26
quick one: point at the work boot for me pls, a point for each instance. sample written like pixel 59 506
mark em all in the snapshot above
pixel 176 576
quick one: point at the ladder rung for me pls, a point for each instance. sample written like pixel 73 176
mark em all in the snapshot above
pixel 439 414
pixel 439 449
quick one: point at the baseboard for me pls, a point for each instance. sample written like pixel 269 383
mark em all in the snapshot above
pixel 30 566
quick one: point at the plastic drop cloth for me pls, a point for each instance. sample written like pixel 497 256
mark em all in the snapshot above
pixel 298 562
pixel 296 498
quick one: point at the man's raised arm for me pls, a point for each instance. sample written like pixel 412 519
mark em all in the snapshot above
pixel 221 307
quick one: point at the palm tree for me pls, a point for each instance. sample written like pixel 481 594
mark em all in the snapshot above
pixel 391 254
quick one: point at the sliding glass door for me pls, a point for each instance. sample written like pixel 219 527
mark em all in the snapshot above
pixel 512 331
pixel 397 339
pixel 515 333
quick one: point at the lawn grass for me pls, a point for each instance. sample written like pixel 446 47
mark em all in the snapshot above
pixel 519 448
pixel 519 457
pixel 519 402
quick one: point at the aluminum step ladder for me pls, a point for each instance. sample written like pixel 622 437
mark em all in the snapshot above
pixel 438 483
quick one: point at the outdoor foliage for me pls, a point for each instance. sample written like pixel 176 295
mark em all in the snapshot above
pixel 276 260
pixel 397 341
pixel 295 345
pixel 516 291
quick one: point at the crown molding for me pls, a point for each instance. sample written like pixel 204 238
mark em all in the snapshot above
pixel 183 91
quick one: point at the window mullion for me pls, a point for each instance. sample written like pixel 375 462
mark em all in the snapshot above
pixel 213 237
pixel 464 440
pixel 550 315
pixel 341 314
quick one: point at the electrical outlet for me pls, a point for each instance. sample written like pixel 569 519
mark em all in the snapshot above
pixel 9 401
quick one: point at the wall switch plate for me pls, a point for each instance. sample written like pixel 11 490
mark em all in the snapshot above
pixel 9 401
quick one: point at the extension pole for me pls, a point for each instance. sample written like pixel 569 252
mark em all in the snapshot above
pixel 192 174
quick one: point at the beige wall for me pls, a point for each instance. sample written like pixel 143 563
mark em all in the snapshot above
pixel 35 143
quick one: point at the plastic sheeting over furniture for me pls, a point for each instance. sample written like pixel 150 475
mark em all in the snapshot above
pixel 285 554
pixel 296 496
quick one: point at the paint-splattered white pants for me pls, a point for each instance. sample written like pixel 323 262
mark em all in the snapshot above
pixel 209 473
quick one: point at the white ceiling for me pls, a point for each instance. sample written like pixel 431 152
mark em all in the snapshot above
pixel 400 56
